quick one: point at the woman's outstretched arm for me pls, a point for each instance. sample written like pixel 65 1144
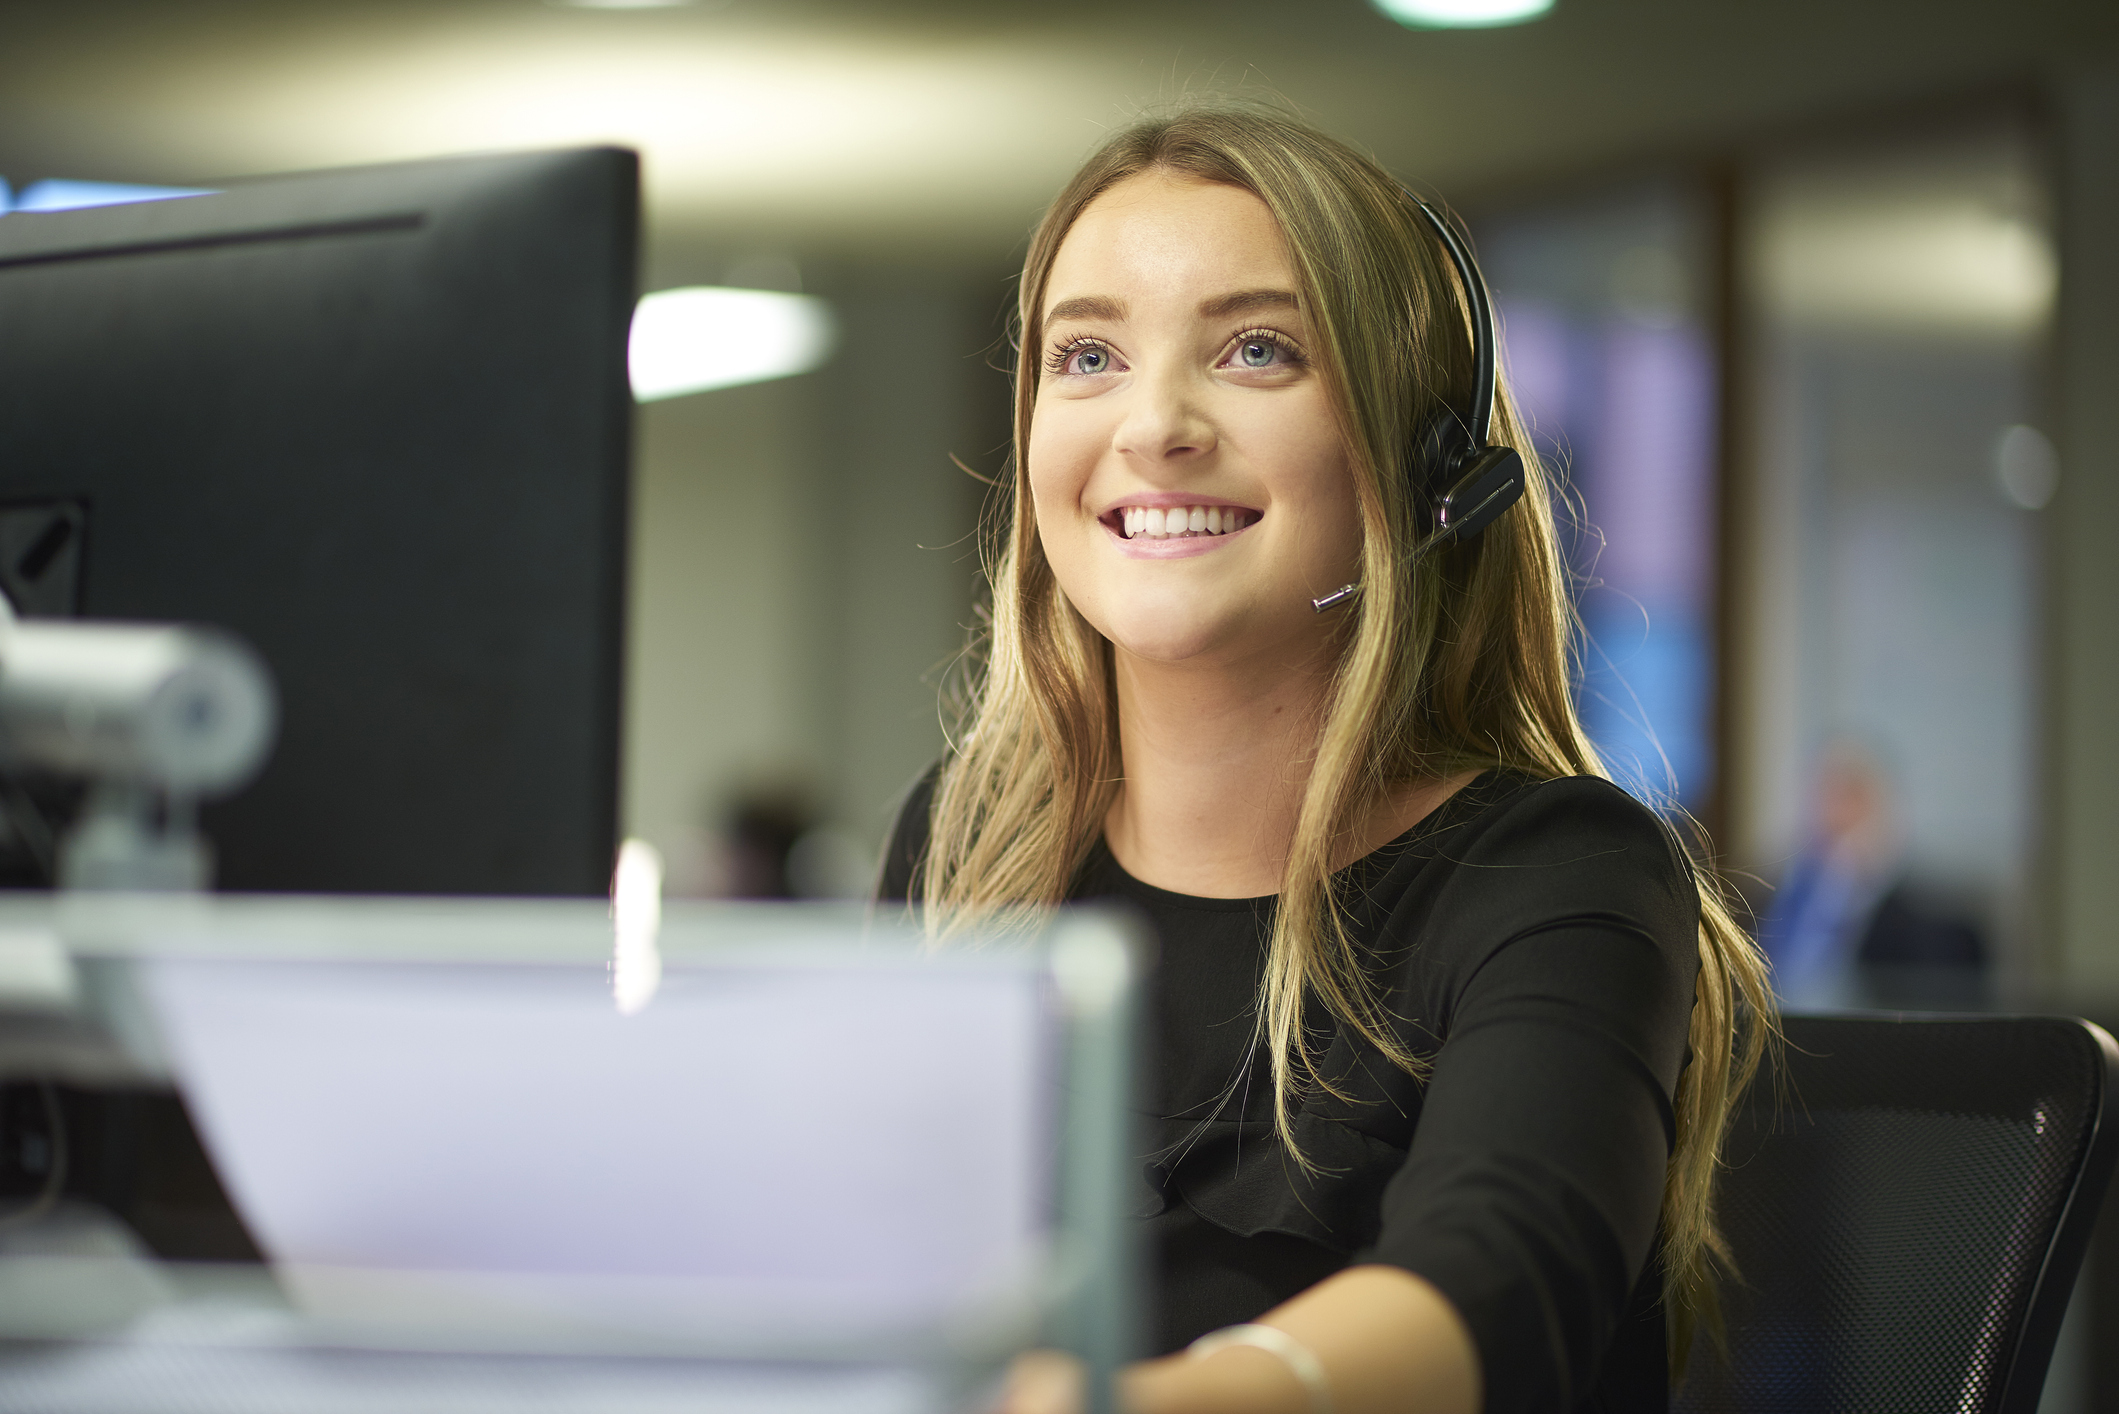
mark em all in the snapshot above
pixel 1387 1343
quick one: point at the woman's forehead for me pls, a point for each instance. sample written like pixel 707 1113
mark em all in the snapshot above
pixel 1159 235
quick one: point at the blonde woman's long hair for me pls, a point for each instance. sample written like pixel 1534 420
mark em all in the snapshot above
pixel 1460 660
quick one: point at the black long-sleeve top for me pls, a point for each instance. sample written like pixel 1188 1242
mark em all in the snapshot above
pixel 1536 943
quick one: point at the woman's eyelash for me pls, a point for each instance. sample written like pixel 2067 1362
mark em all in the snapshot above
pixel 1274 337
pixel 1056 360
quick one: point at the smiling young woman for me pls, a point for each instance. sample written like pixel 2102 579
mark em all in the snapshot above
pixel 1447 1027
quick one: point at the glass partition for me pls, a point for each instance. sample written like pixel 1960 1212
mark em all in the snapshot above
pixel 1899 295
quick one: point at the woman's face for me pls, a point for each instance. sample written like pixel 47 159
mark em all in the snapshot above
pixel 1191 486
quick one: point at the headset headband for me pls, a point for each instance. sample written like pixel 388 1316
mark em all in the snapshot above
pixel 1471 484
pixel 1479 426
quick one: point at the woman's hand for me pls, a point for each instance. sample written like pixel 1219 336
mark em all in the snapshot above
pixel 1044 1382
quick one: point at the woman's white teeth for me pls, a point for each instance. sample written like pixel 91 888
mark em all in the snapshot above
pixel 1158 524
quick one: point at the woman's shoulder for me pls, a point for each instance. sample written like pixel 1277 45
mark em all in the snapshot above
pixel 1511 854
pixel 1548 820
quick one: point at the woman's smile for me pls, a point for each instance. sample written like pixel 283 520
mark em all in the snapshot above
pixel 1167 525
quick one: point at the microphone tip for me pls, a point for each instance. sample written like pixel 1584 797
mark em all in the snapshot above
pixel 1334 599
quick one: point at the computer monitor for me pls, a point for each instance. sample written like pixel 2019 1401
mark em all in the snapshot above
pixel 376 422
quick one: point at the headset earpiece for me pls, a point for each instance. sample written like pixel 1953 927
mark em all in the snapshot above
pixel 1489 485
pixel 1438 448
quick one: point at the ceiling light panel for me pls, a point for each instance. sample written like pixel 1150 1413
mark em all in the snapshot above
pixel 704 337
pixel 1462 14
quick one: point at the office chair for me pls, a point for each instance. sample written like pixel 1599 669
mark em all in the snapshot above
pixel 1908 1200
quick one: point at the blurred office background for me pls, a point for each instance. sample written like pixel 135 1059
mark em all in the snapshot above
pixel 1816 306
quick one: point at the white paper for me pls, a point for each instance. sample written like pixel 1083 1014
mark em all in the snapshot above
pixel 807 1148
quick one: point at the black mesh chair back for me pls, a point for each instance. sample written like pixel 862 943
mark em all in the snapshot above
pixel 1908 1201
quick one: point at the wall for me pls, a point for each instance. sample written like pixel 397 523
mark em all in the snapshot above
pixel 802 569
pixel 724 682
pixel 2083 679
pixel 911 390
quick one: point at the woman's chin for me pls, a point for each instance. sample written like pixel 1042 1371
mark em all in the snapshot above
pixel 1168 651
pixel 1203 626
pixel 1180 639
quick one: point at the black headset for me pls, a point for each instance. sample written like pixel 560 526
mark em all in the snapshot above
pixel 1454 468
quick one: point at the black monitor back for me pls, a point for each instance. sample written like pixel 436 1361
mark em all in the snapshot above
pixel 375 421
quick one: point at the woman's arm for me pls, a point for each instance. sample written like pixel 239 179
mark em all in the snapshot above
pixel 1387 1341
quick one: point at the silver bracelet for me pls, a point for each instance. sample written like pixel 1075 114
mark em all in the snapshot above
pixel 1301 1361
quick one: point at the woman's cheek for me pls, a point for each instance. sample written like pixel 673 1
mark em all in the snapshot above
pixel 1059 477
pixel 1069 559
pixel 1321 480
pixel 1058 470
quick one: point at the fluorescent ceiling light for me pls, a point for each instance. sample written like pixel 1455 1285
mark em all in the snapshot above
pixel 1912 264
pixel 60 194
pixel 705 336
pixel 1462 14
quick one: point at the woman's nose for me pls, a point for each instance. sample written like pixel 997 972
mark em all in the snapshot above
pixel 1163 423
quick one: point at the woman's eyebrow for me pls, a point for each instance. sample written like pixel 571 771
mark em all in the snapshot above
pixel 1247 302
pixel 1087 307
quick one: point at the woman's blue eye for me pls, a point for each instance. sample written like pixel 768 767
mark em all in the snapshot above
pixel 1090 360
pixel 1256 353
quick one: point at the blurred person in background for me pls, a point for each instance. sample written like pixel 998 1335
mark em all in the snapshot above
pixel 767 838
pixel 1847 926
pixel 1446 1026
pixel 762 826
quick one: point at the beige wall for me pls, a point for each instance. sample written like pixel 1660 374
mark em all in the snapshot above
pixel 909 390
pixel 2083 678
pixel 802 569
pixel 721 679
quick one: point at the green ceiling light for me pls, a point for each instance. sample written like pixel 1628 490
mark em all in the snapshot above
pixel 1461 14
